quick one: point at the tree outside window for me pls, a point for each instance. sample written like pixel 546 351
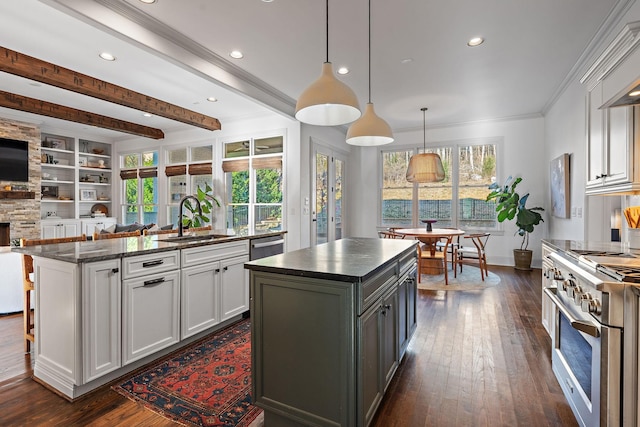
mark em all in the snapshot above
pixel 469 169
pixel 139 176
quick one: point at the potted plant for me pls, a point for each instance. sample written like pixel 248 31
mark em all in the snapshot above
pixel 510 205
pixel 206 200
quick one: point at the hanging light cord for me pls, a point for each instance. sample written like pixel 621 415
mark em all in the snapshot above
pixel 424 129
pixel 327 32
pixel 369 51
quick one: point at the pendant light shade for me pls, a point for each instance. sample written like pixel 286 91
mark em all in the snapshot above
pixel 327 101
pixel 425 167
pixel 370 129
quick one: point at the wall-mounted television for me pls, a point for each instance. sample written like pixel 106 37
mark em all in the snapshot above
pixel 14 160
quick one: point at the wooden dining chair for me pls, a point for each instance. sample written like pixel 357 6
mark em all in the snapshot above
pixel 476 254
pixel 28 285
pixel 389 235
pixel 427 259
pixel 103 236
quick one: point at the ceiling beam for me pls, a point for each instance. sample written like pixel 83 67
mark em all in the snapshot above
pixel 44 108
pixel 15 63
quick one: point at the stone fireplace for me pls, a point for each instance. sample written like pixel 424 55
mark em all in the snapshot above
pixel 20 213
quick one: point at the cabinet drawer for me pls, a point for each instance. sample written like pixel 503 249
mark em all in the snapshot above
pixel 204 254
pixel 143 265
pixel 373 288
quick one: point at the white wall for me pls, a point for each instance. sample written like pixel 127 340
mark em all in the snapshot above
pixel 521 154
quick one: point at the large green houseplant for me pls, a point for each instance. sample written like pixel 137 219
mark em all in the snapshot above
pixel 510 205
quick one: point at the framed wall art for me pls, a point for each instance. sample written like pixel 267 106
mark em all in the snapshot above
pixel 560 187
pixel 88 195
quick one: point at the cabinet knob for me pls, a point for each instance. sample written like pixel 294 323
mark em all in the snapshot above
pixel 225 268
pixel 115 270
pixel 217 270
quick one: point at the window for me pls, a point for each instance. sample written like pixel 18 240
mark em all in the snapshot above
pixel 253 179
pixel 469 169
pixel 139 175
pixel 188 168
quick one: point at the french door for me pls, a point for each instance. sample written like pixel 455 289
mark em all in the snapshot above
pixel 327 207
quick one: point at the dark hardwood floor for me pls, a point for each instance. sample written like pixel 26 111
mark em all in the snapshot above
pixel 478 358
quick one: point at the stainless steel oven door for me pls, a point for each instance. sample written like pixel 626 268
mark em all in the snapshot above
pixel 631 396
pixel 586 359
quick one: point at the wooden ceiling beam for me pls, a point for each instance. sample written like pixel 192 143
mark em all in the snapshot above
pixel 44 108
pixel 15 63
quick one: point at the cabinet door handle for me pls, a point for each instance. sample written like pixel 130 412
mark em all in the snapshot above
pixel 225 268
pixel 115 270
pixel 217 270
pixel 385 308
pixel 153 282
pixel 152 263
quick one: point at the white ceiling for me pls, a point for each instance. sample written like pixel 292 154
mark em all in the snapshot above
pixel 177 51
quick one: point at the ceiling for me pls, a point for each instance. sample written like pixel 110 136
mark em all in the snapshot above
pixel 177 51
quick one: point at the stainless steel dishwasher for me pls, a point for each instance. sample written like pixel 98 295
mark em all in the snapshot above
pixel 266 246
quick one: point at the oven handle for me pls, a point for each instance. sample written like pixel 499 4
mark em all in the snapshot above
pixel 586 327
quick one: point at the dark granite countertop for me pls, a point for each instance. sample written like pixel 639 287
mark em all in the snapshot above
pixel 100 250
pixel 345 260
pixel 571 245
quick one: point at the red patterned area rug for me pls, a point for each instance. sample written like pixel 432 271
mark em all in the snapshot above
pixel 206 384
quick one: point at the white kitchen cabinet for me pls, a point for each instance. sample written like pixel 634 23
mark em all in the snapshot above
pixel 234 287
pixel 215 286
pixel 151 314
pixel 613 143
pixel 548 314
pixel 55 228
pixel 91 225
pixel 199 298
pixel 101 318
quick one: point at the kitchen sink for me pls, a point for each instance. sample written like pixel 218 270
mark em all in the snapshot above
pixel 182 239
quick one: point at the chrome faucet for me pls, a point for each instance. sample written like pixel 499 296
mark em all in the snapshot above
pixel 181 206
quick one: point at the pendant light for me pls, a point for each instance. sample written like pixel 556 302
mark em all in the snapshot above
pixel 370 129
pixel 425 167
pixel 327 101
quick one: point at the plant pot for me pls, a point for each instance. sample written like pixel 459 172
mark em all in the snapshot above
pixel 522 258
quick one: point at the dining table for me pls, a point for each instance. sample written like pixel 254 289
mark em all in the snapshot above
pixel 430 238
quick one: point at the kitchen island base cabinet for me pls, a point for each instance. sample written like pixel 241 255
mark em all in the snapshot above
pixel 325 345
pixel 102 320
pixel 151 314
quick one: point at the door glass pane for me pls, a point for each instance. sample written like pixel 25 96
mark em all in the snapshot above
pixel 268 217
pixel 397 192
pixel 238 219
pixel 322 189
pixel 150 159
pixel 177 188
pixel 477 170
pixel 339 177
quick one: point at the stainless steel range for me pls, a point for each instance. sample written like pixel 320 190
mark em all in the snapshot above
pixel 587 335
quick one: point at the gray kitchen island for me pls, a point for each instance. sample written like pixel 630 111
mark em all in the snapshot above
pixel 330 325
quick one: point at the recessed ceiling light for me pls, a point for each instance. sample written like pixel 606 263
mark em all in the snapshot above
pixel 634 93
pixel 147 114
pixel 476 41
pixel 148 1
pixel 343 70
pixel 107 56
pixel 267 1
pixel 406 60
pixel 236 54
pixel 212 99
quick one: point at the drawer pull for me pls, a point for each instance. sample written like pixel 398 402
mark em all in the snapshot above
pixel 152 263
pixel 153 282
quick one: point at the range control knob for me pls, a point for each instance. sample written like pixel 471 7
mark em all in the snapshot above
pixel 592 306
pixel 578 295
pixel 568 284
pixel 586 300
pixel 557 274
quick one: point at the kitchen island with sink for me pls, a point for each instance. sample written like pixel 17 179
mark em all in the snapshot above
pixel 330 325
pixel 105 308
